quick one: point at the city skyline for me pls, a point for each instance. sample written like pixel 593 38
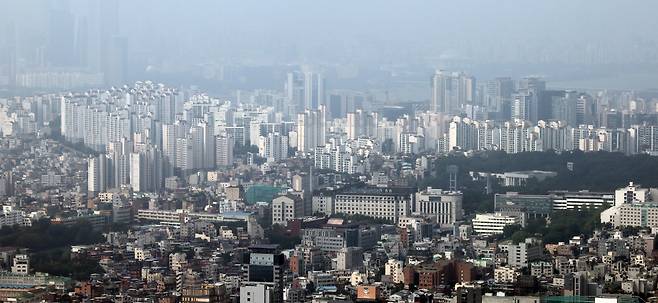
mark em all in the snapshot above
pixel 339 151
pixel 116 43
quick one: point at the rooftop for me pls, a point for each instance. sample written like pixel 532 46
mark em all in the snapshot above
pixel 371 190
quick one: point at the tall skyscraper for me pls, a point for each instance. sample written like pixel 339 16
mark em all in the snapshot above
pixel 467 89
pixel 533 87
pixel 440 101
pixel 547 102
pixel 462 134
pixel 451 91
pixel 585 109
pixel 294 88
pixel 169 148
pixel 339 103
pixel 498 93
pixel 522 105
pixel 353 124
pixel 314 93
pixel 565 108
pixel 336 105
pixel 304 90
pixel 303 183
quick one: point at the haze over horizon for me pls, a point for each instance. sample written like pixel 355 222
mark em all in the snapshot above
pixel 590 43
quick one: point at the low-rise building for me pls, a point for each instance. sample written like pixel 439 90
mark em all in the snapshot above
pixel 521 254
pixel 384 203
pixel 394 268
pixel 286 208
pixel 505 275
pixel 445 207
pixel 493 223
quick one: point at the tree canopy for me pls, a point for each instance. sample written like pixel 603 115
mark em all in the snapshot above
pixel 560 227
pixel 43 235
pixel 596 171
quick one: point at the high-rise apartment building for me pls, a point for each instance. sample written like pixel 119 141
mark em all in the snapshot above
pixel 273 147
pixel 146 173
pixel 224 151
pixel 311 129
pixel 98 174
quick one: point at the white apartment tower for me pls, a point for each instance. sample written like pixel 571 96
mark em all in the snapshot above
pixel 146 170
pixel 224 150
pixel 97 174
pixel 311 129
pixel 273 147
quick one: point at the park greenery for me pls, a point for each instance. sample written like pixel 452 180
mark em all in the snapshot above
pixel 43 235
pixel 560 227
pixel 576 170
pixel 49 246
pixel 602 171
pixel 59 262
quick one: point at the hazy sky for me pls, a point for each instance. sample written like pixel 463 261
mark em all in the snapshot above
pixel 368 28
pixel 472 35
pixel 399 31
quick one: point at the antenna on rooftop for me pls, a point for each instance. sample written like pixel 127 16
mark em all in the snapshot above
pixel 489 184
pixel 452 170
